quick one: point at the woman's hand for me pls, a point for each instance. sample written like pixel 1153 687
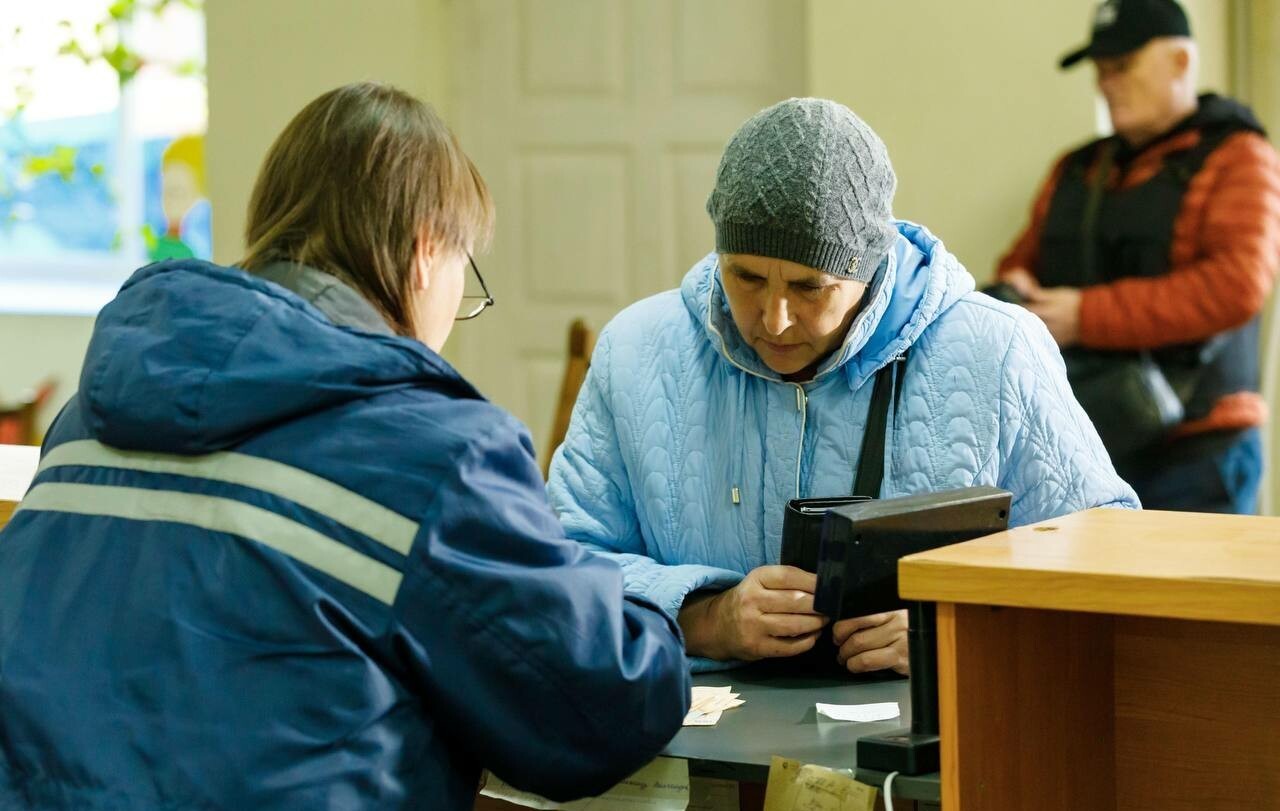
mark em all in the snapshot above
pixel 877 642
pixel 768 614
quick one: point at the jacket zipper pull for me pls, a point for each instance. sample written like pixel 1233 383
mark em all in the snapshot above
pixel 736 495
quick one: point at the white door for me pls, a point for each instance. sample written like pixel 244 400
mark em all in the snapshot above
pixel 598 125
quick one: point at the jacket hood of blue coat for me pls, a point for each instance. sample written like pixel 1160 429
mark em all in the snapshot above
pixel 191 357
pixel 916 283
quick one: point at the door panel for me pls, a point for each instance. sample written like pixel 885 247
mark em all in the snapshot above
pixel 598 125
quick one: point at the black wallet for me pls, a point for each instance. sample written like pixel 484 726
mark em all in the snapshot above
pixel 802 529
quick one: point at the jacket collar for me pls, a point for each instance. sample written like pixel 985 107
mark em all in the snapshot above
pixel 328 294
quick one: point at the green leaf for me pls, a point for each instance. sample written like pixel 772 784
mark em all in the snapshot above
pixel 60 160
pixel 125 62
pixel 192 67
pixel 122 10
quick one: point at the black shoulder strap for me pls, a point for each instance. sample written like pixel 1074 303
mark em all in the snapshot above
pixel 888 387
pixel 1089 224
pixel 1083 158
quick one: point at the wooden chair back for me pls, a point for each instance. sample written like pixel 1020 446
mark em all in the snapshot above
pixel 19 423
pixel 581 342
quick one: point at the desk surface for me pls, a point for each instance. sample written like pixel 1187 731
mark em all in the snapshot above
pixel 1159 564
pixel 779 718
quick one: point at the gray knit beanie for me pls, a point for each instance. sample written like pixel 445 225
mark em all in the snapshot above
pixel 808 181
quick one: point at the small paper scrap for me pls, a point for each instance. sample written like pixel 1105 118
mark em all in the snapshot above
pixel 708 703
pixel 860 712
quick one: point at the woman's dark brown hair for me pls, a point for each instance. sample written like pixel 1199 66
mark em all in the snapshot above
pixel 352 184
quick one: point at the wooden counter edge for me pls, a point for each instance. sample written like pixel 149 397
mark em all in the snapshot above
pixel 1253 602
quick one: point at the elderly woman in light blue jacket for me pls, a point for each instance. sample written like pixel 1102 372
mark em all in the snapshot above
pixel 707 408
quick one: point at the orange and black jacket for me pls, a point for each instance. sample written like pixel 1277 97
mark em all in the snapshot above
pixel 1223 245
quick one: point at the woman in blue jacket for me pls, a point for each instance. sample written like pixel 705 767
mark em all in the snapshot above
pixel 280 555
pixel 707 408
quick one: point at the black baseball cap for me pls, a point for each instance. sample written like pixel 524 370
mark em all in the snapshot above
pixel 1121 26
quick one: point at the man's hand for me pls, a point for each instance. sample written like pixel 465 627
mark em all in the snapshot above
pixel 768 614
pixel 877 642
pixel 1059 309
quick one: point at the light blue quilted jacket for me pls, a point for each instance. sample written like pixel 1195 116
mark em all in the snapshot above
pixel 678 410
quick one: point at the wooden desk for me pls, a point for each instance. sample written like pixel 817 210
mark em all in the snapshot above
pixel 1109 660
pixel 17 469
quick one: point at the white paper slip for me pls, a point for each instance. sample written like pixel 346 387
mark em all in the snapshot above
pixel 701 719
pixel 701 696
pixel 663 785
pixel 860 712
pixel 706 704
pixel 725 703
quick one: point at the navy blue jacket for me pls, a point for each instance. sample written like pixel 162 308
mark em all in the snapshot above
pixel 273 562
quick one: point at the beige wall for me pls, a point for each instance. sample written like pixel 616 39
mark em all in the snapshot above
pixel 268 59
pixel 39 347
pixel 969 99
pixel 1263 60
pixel 1211 26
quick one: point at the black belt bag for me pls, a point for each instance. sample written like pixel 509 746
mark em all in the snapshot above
pixel 1131 401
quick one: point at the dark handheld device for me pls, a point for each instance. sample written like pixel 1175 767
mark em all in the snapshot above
pixel 857 565
pixel 1003 291
pixel 857 560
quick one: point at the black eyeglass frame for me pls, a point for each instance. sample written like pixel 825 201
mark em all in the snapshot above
pixel 485 301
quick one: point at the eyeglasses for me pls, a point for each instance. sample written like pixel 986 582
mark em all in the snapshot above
pixel 474 305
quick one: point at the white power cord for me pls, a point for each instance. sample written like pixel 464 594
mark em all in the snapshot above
pixel 888 791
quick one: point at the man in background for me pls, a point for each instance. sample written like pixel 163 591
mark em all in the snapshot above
pixel 1149 255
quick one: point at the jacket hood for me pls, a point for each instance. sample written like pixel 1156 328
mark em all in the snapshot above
pixel 1214 111
pixel 1214 114
pixel 916 283
pixel 191 357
